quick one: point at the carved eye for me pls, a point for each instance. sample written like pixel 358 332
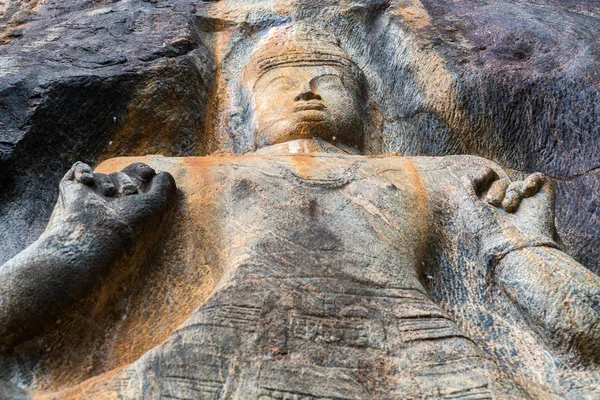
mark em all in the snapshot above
pixel 327 82
pixel 283 85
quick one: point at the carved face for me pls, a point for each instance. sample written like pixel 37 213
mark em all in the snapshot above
pixel 302 102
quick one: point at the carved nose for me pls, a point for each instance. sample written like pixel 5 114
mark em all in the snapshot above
pixel 308 95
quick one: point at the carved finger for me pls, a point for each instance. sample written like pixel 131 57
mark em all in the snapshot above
pixel 468 184
pixel 547 190
pixel 70 175
pixel 161 191
pixel 483 178
pixel 123 183
pixel 82 173
pixel 140 173
pixel 533 183
pixel 497 192
pixel 105 185
pixel 146 210
pixel 513 196
pixel 162 184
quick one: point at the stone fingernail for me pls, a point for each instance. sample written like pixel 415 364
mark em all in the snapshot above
pixel 129 189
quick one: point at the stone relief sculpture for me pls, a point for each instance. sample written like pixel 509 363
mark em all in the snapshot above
pixel 335 275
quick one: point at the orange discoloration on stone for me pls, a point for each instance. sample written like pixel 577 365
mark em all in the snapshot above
pixel 417 183
pixel 413 14
pixel 144 131
pixel 420 217
pixel 304 166
pixel 97 387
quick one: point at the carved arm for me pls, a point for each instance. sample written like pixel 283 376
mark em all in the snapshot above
pixel 558 295
pixel 97 222
pixel 513 224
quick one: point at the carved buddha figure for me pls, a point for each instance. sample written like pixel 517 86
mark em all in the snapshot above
pixel 325 263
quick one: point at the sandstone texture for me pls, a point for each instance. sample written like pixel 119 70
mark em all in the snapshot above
pixel 271 276
pixel 299 276
pixel 515 82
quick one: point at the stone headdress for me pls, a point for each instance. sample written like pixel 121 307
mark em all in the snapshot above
pixel 297 45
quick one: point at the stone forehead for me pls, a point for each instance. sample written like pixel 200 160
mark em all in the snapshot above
pixel 297 46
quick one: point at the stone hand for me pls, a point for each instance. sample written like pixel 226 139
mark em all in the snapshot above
pixel 98 222
pixel 503 216
pixel 129 199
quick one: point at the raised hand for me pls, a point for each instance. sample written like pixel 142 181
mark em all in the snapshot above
pixel 512 223
pixel 131 198
pixel 502 216
pixel 99 222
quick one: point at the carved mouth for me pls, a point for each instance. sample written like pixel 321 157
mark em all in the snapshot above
pixel 310 106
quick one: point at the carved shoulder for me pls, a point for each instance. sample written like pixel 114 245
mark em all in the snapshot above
pixel 440 176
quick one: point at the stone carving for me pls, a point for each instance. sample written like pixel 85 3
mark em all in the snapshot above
pixel 331 275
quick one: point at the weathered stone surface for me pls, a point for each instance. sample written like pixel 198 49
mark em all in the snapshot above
pixel 513 82
pixel 84 80
pixel 300 276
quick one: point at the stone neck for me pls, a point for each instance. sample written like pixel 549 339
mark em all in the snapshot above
pixel 307 146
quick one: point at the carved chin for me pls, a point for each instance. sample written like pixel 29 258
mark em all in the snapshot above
pixel 310 129
pixel 305 128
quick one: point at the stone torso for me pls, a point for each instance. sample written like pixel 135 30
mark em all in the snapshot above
pixel 317 293
pixel 325 218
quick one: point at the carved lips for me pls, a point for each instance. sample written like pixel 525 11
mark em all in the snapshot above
pixel 311 111
pixel 309 106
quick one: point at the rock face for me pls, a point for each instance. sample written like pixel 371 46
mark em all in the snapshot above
pixel 514 83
